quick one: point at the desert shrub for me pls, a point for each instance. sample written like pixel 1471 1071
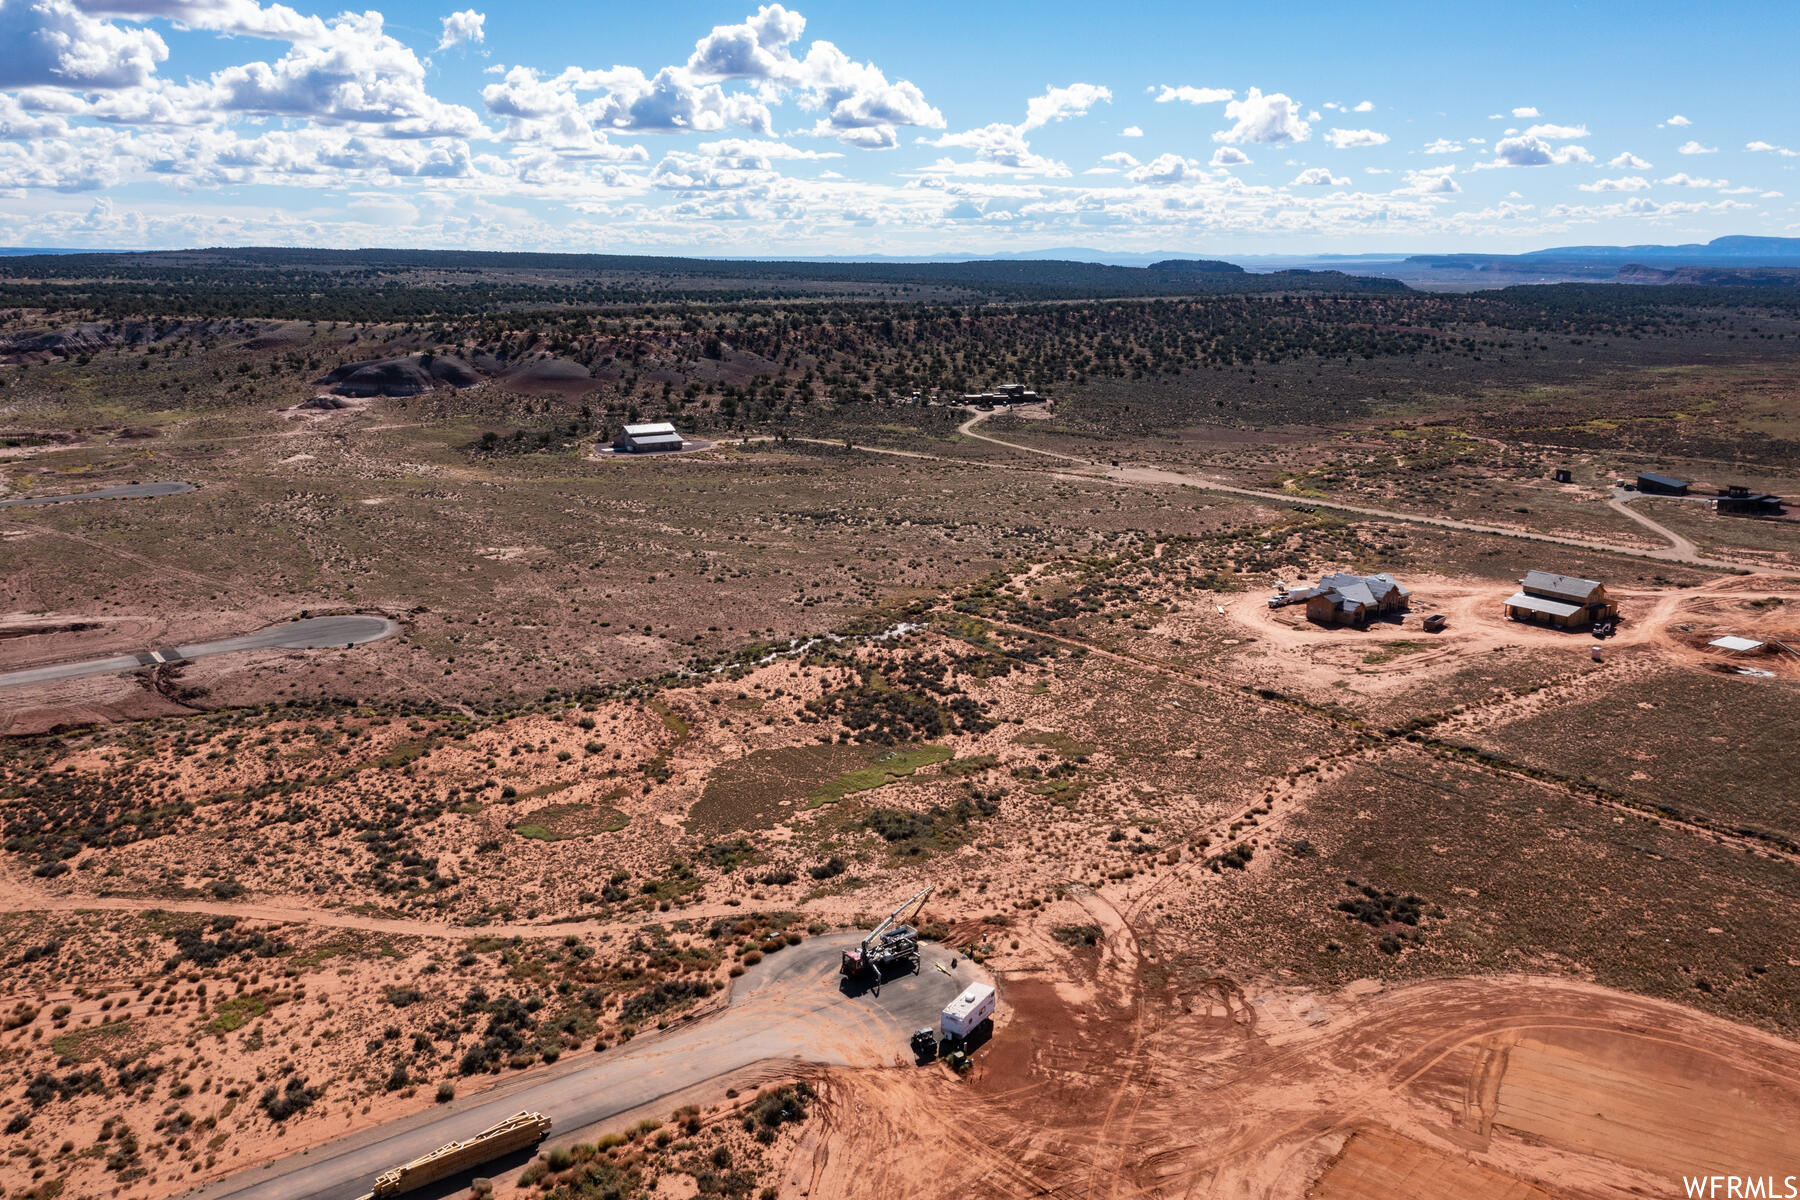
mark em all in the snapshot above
pixel 283 1102
pixel 45 1087
pixel 777 1106
pixel 1237 858
pixel 1077 935
pixel 670 993
pixel 1376 908
pixel 829 869
pixel 192 944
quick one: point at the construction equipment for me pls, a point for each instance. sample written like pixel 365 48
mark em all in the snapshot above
pixel 515 1133
pixel 892 941
pixel 924 1044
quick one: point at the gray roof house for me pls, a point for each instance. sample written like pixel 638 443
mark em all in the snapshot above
pixel 1547 598
pixel 1345 599
pixel 641 439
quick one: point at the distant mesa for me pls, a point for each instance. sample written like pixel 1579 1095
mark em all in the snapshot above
pixel 409 376
pixel 1711 276
pixel 1210 266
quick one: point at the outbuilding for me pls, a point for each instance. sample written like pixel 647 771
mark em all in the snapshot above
pixel 648 439
pixel 1563 601
pixel 1661 485
pixel 1741 502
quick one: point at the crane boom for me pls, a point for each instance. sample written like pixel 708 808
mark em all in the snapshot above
pixel 891 941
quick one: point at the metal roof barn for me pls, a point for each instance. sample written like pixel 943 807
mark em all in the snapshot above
pixel 1554 608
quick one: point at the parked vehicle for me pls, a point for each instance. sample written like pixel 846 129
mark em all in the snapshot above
pixel 964 1015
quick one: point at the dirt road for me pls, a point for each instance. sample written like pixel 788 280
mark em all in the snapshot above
pixel 1680 549
pixel 314 633
pixel 788 1009
pixel 1677 543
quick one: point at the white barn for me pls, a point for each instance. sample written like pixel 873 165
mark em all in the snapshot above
pixel 648 439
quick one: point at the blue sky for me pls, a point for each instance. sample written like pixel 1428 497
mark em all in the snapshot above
pixel 926 128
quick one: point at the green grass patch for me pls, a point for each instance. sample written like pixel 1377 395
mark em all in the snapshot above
pixel 559 822
pixel 1387 652
pixel 887 766
pixel 762 789
pixel 236 1013
pixel 1059 743
pixel 975 764
pixel 98 1042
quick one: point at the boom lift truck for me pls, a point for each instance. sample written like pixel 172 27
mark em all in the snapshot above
pixel 895 940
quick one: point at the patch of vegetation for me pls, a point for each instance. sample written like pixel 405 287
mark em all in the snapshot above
pixel 100 1041
pixel 940 827
pixel 1077 935
pixel 192 944
pixel 559 822
pixel 282 1102
pixel 1059 743
pixel 1387 652
pixel 882 770
pixel 669 994
pixel 237 1012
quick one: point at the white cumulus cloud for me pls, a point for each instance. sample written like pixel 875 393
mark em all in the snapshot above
pixel 1558 133
pixel 1319 177
pixel 1344 139
pixel 462 29
pixel 1628 183
pixel 1194 95
pixel 1683 179
pixel 1229 156
pixel 1165 168
pixel 1525 113
pixel 1007 145
pixel 1693 147
pixel 52 43
pixel 1527 150
pixel 1131 131
pixel 1625 160
pixel 1678 121
pixel 1269 119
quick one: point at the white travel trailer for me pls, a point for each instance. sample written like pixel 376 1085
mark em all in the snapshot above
pixel 964 1015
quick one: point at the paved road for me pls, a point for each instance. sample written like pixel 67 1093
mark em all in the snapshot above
pixel 130 491
pixel 314 633
pixel 790 1007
